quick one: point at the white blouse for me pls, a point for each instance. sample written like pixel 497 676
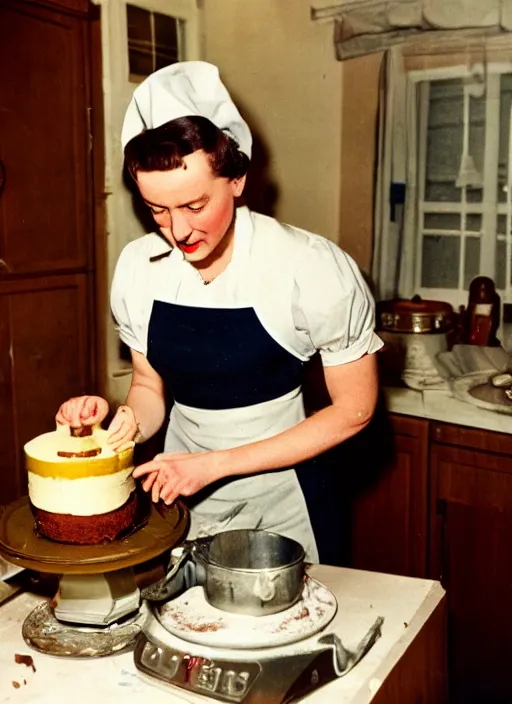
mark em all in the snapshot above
pixel 308 294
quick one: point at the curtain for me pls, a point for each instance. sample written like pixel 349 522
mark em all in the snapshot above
pixel 367 26
pixel 396 184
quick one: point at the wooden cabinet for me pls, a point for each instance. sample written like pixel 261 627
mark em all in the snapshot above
pixel 471 529
pixel 440 506
pixel 45 200
pixel 47 242
pixel 389 511
pixel 45 357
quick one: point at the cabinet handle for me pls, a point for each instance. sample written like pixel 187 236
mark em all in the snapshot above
pixel 4 267
pixel 2 176
pixel 441 507
pixel 437 432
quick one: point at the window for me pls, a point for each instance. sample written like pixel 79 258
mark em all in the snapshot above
pixel 138 37
pixel 155 40
pixel 462 166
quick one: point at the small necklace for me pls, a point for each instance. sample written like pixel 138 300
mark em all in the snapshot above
pixel 205 281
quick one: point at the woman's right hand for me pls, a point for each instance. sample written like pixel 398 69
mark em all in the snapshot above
pixel 82 410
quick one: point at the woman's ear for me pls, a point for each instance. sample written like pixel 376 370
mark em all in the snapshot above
pixel 238 185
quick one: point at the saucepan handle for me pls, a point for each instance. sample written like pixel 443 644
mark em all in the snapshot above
pixel 186 568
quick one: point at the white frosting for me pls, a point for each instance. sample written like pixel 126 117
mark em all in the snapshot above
pixel 88 496
pixel 45 447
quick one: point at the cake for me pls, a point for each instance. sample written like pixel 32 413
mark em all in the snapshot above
pixel 80 490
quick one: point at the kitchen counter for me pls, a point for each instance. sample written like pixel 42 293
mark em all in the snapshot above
pixel 407 662
pixel 440 405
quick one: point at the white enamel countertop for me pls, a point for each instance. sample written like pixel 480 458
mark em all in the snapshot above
pixel 405 603
pixel 441 406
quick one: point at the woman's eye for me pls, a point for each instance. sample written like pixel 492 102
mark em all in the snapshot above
pixel 157 212
pixel 195 208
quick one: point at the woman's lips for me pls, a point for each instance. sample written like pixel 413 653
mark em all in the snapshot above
pixel 188 248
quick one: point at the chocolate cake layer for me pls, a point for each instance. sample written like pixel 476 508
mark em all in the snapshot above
pixel 85 453
pixel 87 530
pixel 83 431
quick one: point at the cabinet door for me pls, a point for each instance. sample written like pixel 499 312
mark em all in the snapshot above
pixel 471 529
pixel 70 6
pixel 45 358
pixel 44 139
pixel 389 511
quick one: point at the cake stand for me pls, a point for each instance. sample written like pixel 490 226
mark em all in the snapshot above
pixel 97 609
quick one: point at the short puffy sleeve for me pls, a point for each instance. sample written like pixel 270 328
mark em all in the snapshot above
pixel 333 306
pixel 124 302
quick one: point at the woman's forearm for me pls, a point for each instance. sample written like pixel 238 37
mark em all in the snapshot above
pixel 149 408
pixel 353 388
pixel 314 435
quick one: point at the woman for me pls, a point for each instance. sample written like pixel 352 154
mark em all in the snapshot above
pixel 221 310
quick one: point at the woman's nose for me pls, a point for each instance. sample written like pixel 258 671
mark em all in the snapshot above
pixel 180 226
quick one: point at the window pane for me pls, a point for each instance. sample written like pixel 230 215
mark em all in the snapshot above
pixel 440 261
pixel 166 40
pixel 505 106
pixel 474 195
pixel 476 145
pixel 442 221
pixel 442 192
pixel 501 254
pixel 444 140
pixel 140 49
pixel 474 223
pixel 471 260
pixel 501 224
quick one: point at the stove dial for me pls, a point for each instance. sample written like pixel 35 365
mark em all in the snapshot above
pixel 208 677
pixel 235 684
pixel 228 681
pixel 160 661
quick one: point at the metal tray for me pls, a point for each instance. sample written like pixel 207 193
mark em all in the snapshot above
pixel 21 545
pixel 464 389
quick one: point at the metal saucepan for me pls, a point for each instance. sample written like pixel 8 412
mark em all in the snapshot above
pixel 250 572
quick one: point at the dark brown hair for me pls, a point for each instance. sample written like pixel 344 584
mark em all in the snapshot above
pixel 163 148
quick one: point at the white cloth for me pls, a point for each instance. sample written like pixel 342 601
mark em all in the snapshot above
pixel 368 26
pixel 308 295
pixel 181 90
pixel 394 251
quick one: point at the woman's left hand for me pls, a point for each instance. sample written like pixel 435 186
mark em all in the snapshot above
pixel 122 429
pixel 175 474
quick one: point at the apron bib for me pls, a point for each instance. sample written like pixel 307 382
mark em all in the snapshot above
pixel 232 383
pixel 218 358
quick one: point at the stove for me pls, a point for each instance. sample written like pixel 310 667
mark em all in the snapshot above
pixel 274 659
pixel 184 642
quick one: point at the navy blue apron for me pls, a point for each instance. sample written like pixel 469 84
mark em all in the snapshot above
pixel 222 358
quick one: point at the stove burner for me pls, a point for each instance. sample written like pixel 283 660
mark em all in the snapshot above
pixel 192 618
pixel 268 672
pixel 271 676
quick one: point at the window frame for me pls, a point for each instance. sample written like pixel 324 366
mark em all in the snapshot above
pixel 122 224
pixel 183 10
pixel 489 208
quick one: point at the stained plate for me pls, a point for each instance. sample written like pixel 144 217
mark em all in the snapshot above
pixel 474 389
pixel 21 545
pixel 42 631
pixel 190 617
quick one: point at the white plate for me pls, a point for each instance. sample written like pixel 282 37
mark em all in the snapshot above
pixel 190 617
pixel 464 384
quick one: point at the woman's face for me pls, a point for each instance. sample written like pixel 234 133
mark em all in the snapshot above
pixel 192 207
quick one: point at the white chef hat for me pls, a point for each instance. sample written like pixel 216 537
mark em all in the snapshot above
pixel 180 90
